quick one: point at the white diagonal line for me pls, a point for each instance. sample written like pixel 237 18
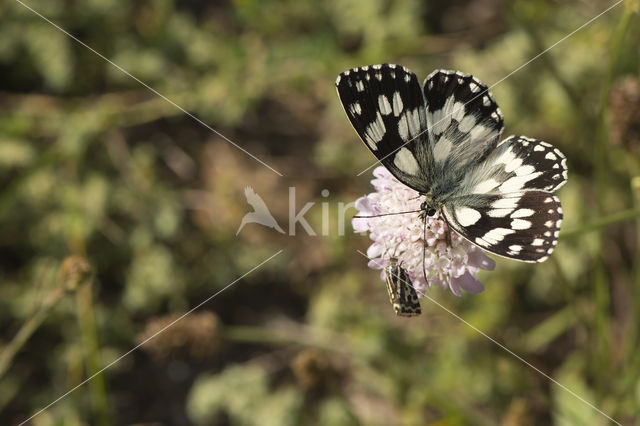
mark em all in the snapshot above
pixel 150 337
pixel 154 91
pixel 506 349
pixel 499 81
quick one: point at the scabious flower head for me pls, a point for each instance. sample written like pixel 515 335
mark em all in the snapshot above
pixel 449 262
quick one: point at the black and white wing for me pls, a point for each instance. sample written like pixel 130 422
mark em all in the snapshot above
pixel 386 107
pixel 402 295
pixel 505 204
pixel 464 124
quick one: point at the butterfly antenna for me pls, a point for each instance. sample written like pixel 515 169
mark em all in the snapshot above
pixel 386 214
pixel 424 249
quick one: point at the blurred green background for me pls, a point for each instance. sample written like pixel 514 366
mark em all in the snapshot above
pixel 118 214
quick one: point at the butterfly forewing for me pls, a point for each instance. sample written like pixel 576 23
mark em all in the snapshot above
pixel 385 106
pixel 464 124
pixel 402 295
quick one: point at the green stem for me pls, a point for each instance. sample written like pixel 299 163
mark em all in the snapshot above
pixel 601 148
pixel 88 330
pixel 28 328
pixel 270 336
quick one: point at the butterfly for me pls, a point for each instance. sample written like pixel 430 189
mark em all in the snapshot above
pixel 402 295
pixel 442 139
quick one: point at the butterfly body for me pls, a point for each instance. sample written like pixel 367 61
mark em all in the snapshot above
pixel 442 139
pixel 402 295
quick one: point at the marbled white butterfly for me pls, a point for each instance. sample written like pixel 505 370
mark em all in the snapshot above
pixel 443 140
pixel 402 295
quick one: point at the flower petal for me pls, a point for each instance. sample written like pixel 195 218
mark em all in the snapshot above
pixel 468 283
pixel 480 260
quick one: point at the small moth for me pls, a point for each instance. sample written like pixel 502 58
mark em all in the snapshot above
pixel 402 295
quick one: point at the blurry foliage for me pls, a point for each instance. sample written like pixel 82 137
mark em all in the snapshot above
pixel 96 167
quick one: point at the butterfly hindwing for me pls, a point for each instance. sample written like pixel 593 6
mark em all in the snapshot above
pixel 386 107
pixel 520 225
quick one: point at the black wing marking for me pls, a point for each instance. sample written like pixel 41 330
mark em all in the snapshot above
pixel 402 295
pixel 520 225
pixel 386 107
pixel 464 122
pixel 518 164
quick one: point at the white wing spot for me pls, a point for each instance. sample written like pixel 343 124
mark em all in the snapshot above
pixel 375 132
pixel 516 183
pixel 537 242
pixel 523 213
pixel 457 112
pixel 439 121
pixel 413 121
pixel 499 212
pixel 397 104
pixel 405 161
pixel 474 87
pixel 513 165
pixel 485 101
pixel 538 148
pixel 505 203
pixel 517 248
pixel 365 68
pixel 497 234
pixel 547 234
pixel 442 149
pixel 484 187
pixel 548 224
pixel 479 241
pixel 360 86
pixel 467 216
pixel 379 76
pixel 480 133
pixel 407 78
pixel 376 67
pixel 550 156
pixel 384 105
pixel 355 108
pixel 520 224
pixel 467 123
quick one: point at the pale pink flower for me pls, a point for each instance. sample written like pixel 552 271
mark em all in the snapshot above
pixel 454 267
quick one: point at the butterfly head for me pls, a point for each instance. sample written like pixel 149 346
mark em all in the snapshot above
pixel 429 207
